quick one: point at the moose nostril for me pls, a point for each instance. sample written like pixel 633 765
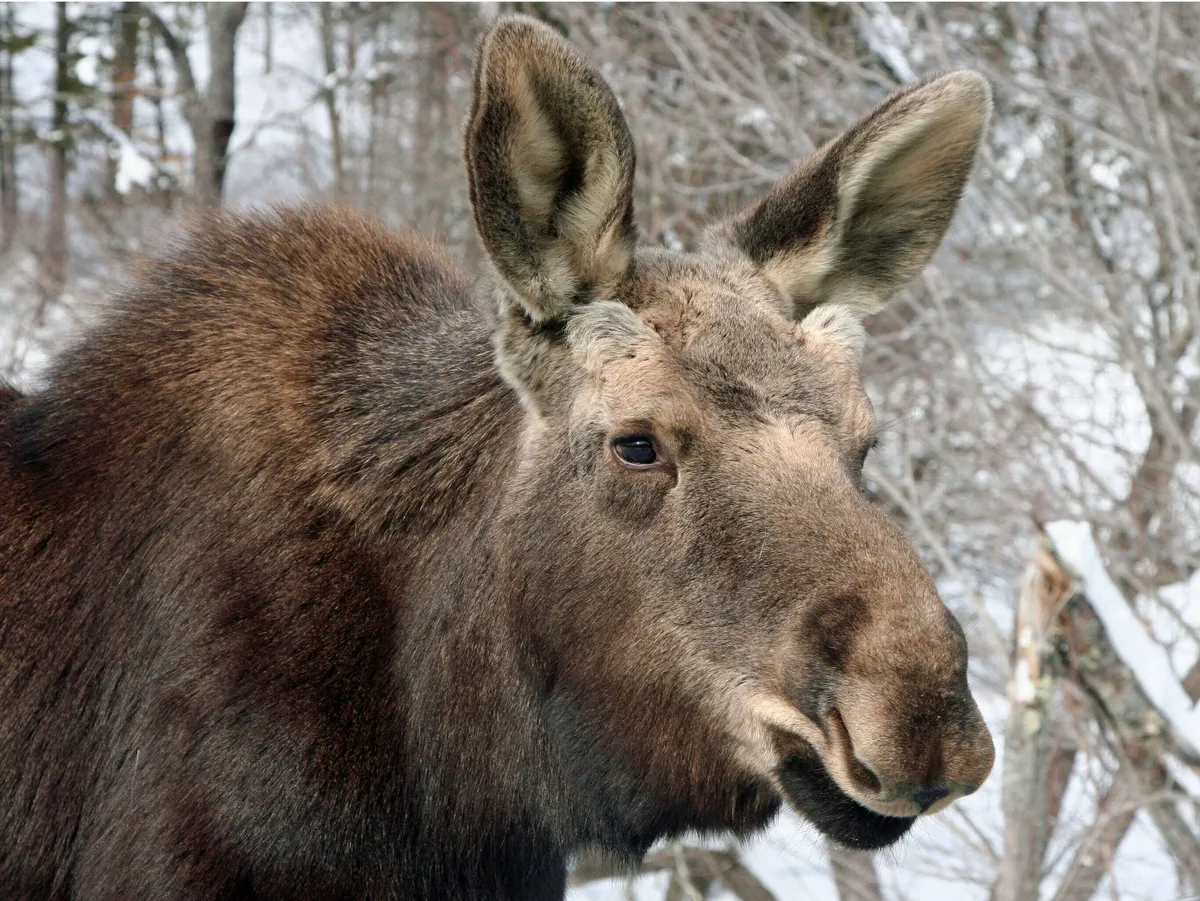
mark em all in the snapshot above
pixel 927 797
pixel 864 775
pixel 859 769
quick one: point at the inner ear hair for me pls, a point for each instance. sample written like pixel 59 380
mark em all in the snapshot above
pixel 866 213
pixel 901 182
pixel 550 166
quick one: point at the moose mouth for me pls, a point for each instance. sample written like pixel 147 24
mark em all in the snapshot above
pixel 812 791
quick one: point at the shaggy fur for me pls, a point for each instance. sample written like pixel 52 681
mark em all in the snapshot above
pixel 322 577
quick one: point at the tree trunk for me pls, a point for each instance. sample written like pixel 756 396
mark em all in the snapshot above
pixel 54 256
pixel 161 194
pixel 214 116
pixel 1093 857
pixel 329 51
pixel 688 882
pixel 9 198
pixel 128 22
pixel 268 37
pixel 1038 758
pixel 1140 737
pixel 854 875
pixel 378 87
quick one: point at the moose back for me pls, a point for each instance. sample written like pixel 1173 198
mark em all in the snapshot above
pixel 325 574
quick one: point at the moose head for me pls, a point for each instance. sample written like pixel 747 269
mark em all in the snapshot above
pixel 720 617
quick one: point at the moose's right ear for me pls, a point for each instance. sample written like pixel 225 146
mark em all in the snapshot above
pixel 550 162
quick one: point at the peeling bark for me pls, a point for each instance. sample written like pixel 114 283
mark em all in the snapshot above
pixel 1039 754
pixel 1138 735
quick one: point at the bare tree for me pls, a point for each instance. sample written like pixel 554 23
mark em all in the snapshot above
pixel 127 34
pixel 210 112
pixel 11 44
pixel 854 875
pixel 54 253
pixel 694 871
pixel 329 90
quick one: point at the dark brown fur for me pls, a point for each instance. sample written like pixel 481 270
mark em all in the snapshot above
pixel 320 579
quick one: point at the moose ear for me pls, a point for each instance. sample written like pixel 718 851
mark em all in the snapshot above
pixel 865 214
pixel 550 162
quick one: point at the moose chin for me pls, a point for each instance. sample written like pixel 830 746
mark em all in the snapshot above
pixel 814 794
pixel 326 573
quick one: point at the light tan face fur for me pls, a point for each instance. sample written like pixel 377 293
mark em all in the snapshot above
pixel 759 586
pixel 787 398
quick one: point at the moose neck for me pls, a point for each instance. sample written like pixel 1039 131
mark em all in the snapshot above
pixel 432 465
pixel 495 738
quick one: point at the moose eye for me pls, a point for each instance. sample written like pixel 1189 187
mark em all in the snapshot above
pixel 635 451
pixel 862 454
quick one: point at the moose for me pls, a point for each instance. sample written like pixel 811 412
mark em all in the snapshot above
pixel 327 574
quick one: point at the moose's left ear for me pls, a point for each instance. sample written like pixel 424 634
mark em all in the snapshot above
pixel 865 214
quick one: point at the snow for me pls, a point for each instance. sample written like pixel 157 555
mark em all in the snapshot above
pixel 757 117
pixel 1105 176
pixel 645 888
pixel 379 70
pixel 92 51
pixel 1023 144
pixel 1183 596
pixel 1072 377
pixel 1149 662
pixel 1189 780
pixel 1172 614
pixel 1024 689
pixel 133 169
pixel 889 39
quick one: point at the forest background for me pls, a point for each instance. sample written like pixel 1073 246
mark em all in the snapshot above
pixel 1040 382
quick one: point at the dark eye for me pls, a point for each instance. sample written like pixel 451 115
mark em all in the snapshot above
pixel 862 455
pixel 635 451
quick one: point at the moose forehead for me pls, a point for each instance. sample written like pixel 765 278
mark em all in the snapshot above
pixel 687 336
